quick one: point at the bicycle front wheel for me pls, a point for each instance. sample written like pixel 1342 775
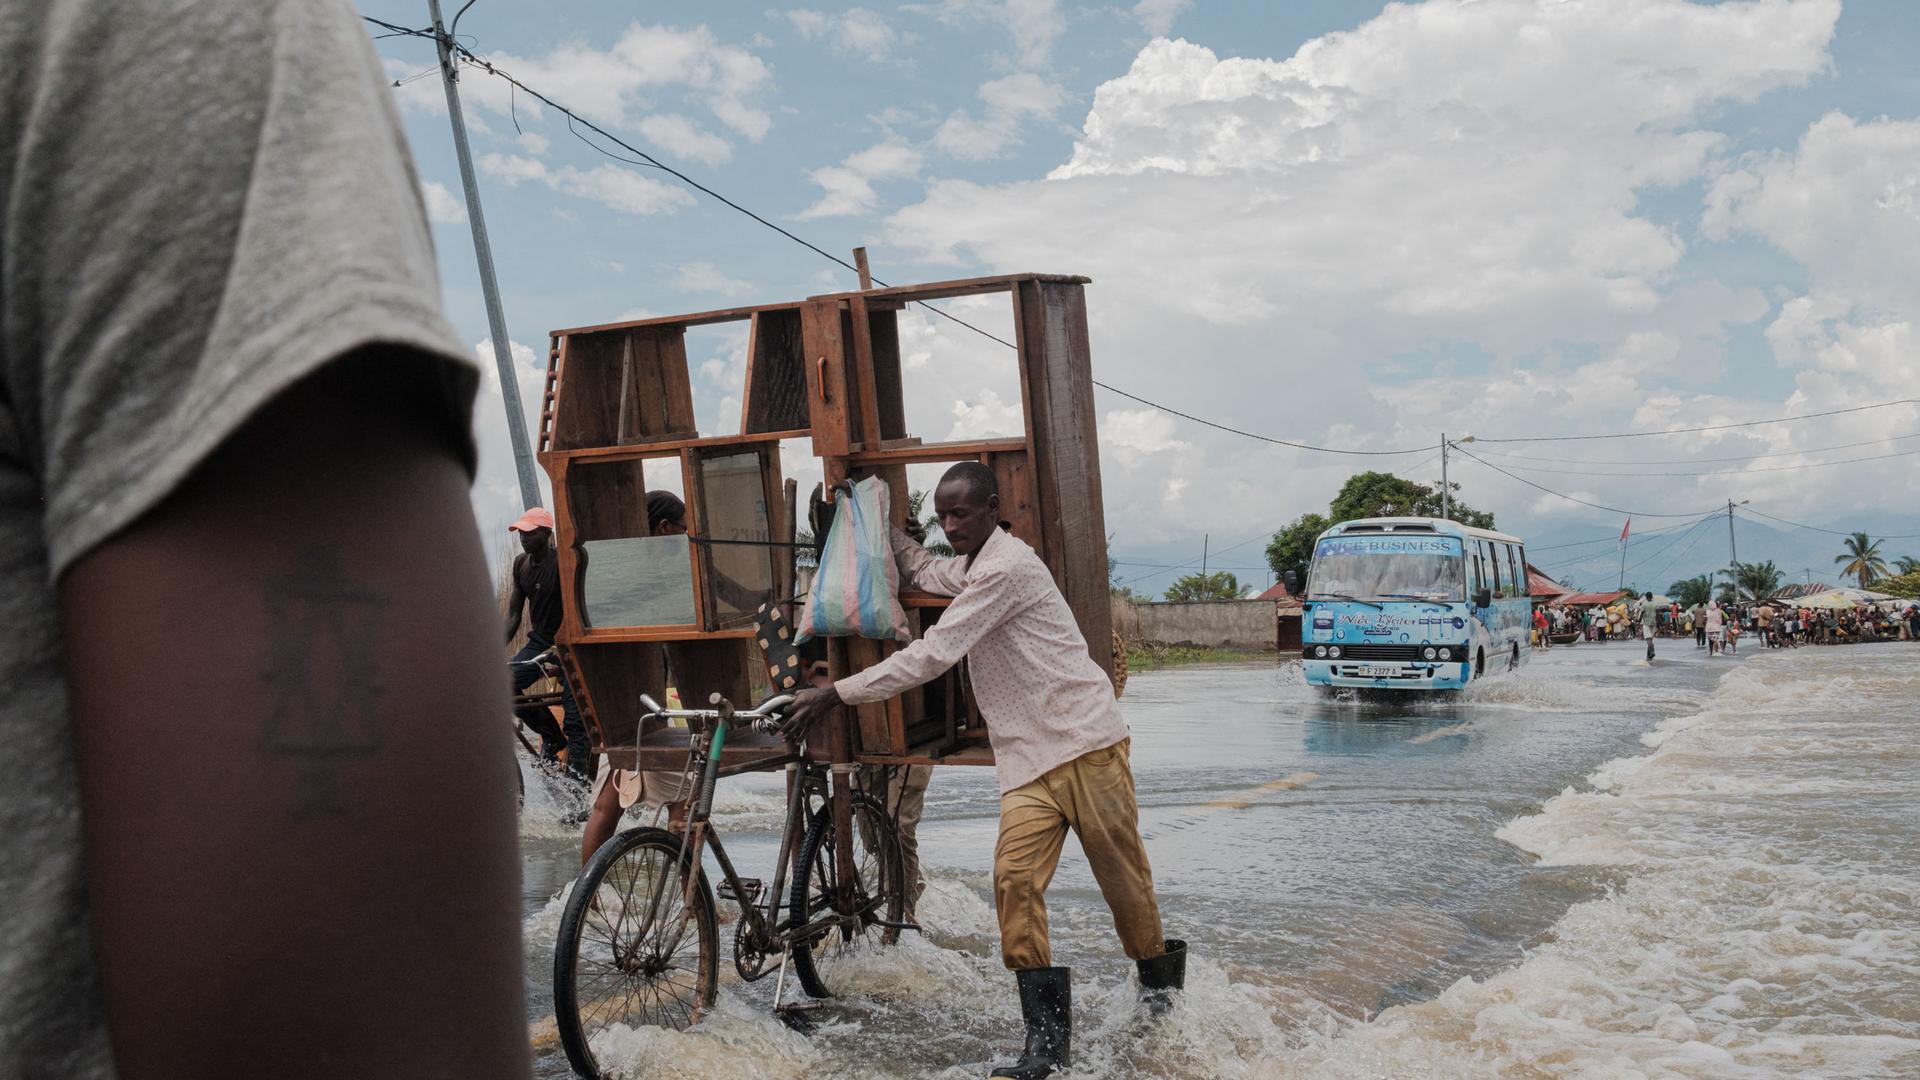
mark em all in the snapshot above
pixel 634 948
pixel 876 891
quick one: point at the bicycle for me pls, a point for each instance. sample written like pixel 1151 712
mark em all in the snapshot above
pixel 639 935
pixel 548 664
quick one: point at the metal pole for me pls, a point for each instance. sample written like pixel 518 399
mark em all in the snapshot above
pixel 1733 572
pixel 1446 501
pixel 1204 537
pixel 483 253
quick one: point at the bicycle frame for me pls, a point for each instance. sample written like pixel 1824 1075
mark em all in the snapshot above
pixel 697 834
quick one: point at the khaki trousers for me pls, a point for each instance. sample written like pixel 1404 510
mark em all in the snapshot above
pixel 1093 796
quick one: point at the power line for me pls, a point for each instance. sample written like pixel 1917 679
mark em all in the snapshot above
pixel 1697 461
pixel 1570 498
pixel 1816 528
pixel 1610 539
pixel 1636 539
pixel 1703 427
pixel 1722 472
pixel 647 160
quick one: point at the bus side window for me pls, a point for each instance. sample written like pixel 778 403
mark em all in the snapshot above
pixel 1480 567
pixel 1502 570
pixel 1499 586
pixel 1519 574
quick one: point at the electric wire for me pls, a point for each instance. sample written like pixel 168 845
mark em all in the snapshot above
pixel 1504 455
pixel 1816 528
pixel 1720 472
pixel 1702 427
pixel 647 160
pixel 1574 499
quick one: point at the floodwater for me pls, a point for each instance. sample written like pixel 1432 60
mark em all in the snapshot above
pixel 1590 868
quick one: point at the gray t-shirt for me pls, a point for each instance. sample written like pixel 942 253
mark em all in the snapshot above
pixel 200 203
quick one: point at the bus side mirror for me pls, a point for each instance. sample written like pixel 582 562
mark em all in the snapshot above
pixel 1292 581
pixel 1483 598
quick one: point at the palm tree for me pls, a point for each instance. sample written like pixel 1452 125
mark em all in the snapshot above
pixel 1759 579
pixel 1906 564
pixel 1693 591
pixel 1860 558
pixel 916 501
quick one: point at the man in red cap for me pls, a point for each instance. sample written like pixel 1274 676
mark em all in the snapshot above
pixel 536 587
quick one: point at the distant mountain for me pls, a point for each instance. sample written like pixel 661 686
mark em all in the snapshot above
pixel 1657 559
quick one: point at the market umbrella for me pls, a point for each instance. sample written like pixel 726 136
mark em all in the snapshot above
pixel 1838 599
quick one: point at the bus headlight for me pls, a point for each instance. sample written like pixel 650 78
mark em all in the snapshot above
pixel 1333 652
pixel 1320 651
pixel 1446 654
pixel 1429 653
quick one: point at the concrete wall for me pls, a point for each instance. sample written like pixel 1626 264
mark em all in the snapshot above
pixel 1239 624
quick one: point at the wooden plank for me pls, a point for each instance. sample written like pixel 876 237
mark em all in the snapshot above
pixel 699 318
pixel 934 453
pixel 826 377
pixel 1067 454
pixel 555 345
pixel 860 329
pixel 941 290
pixel 860 267
pixel 585 412
pixel 1019 502
pixel 883 335
pixel 671 447
pixel 776 383
pixel 614 635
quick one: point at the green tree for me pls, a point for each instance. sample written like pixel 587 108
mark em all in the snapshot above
pixel 1906 564
pixel 917 500
pixel 1758 580
pixel 1906 586
pixel 1215 586
pixel 1379 494
pixel 1691 591
pixel 1860 558
pixel 1292 547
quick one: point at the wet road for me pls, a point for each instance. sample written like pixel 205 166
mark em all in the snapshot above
pixel 1328 859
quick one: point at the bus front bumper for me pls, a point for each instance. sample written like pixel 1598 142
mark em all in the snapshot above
pixel 1377 675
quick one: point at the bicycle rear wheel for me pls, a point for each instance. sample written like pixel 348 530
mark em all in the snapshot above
pixel 631 950
pixel 877 892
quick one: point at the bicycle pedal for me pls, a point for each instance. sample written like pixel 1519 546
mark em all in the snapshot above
pixel 753 886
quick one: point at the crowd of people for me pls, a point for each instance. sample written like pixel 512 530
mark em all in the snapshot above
pixel 1719 627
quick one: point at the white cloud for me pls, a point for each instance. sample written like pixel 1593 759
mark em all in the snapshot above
pixel 1032 26
pixel 1268 236
pixel 621 85
pixel 1157 16
pixel 610 185
pixel 443 206
pixel 848 186
pixel 1010 101
pixel 681 137
pixel 496 484
pixel 705 277
pixel 855 31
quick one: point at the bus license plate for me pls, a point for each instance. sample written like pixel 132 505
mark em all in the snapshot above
pixel 1377 673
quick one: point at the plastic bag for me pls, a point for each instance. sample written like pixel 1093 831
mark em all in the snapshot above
pixel 856 591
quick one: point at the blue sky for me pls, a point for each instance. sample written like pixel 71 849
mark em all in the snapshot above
pixel 1338 223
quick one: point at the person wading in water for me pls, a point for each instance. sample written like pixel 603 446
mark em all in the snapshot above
pixel 1059 745
pixel 536 588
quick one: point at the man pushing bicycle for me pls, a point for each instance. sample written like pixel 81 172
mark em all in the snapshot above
pixel 1059 745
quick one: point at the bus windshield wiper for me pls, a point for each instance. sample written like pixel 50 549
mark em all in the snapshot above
pixel 1424 598
pixel 1350 599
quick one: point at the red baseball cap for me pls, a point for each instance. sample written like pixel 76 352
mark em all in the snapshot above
pixel 538 517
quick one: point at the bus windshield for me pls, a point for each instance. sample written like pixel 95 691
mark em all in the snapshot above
pixel 1387 568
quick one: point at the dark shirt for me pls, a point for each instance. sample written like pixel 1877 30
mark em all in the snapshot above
pixel 540 583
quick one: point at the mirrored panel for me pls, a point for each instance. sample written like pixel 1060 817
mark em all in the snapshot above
pixel 638 581
pixel 733 490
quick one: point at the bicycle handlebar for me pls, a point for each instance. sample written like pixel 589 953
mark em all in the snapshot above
pixel 764 718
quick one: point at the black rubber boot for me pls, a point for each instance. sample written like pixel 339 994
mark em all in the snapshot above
pixel 1162 975
pixel 1046 1003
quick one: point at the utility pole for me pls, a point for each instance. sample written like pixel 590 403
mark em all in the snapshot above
pixel 1204 538
pixel 1446 497
pixel 483 254
pixel 1733 572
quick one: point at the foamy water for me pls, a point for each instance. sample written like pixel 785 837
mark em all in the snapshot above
pixel 1727 887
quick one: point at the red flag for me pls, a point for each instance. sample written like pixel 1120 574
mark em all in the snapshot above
pixel 1625 529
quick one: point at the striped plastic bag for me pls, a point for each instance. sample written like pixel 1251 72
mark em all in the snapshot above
pixel 856 591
